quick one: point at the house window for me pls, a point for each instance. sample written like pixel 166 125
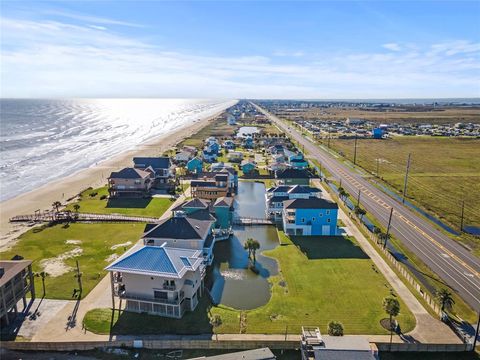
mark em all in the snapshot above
pixel 313 219
pixel 328 212
pixel 328 220
pixel 320 215
pixel 303 220
pixel 160 295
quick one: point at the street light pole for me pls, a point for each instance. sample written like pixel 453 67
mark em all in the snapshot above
pixel 355 151
pixel 388 228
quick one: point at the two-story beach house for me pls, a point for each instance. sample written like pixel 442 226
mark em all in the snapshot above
pixel 195 165
pixel 220 210
pixel 131 182
pixel 310 217
pixel 162 167
pixel 292 176
pixel 211 186
pixel 158 280
pixel 183 231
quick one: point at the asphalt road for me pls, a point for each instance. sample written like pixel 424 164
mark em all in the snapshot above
pixel 454 264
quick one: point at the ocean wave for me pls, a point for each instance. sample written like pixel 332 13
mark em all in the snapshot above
pixel 44 140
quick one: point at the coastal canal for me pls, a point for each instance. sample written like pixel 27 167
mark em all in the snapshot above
pixel 232 283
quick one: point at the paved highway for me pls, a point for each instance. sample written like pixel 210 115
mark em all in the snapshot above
pixel 455 265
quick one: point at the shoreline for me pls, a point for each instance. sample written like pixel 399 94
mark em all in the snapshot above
pixel 93 176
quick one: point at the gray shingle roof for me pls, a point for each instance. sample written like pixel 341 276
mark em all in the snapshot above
pixel 179 228
pixel 303 189
pixel 224 201
pixel 293 174
pixel 129 173
pixel 154 162
pixel 312 203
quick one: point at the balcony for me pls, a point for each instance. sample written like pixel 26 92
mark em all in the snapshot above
pixel 175 301
pixel 169 287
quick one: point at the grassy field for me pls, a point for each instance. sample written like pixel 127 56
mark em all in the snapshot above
pixel 153 207
pixel 399 115
pixel 95 242
pixel 320 280
pixel 443 173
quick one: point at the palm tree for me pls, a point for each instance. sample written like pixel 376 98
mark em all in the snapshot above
pixel 377 232
pixel 252 246
pixel 444 297
pixel 360 212
pixel 385 237
pixel 215 321
pixel 56 205
pixel 392 308
pixel 42 275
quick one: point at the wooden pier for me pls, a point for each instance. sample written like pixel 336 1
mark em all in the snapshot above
pixel 246 221
pixel 66 216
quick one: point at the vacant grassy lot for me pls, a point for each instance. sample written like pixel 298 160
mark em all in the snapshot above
pixel 443 173
pixel 319 280
pixel 217 127
pixel 51 243
pixel 153 207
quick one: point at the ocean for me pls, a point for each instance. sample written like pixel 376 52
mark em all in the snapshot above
pixel 45 140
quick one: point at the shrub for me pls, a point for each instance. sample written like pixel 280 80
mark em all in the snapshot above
pixel 103 197
pixel 93 194
pixel 335 328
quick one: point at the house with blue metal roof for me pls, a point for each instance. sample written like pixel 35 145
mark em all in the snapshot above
pixel 195 165
pixel 158 280
pixel 275 197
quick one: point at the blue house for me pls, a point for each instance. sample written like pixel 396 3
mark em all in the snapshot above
pixel 220 210
pixel 248 142
pixel 195 165
pixel 247 167
pixel 310 217
pixel 229 144
pixel 223 212
pixel 377 133
pixel 209 156
pixel 297 161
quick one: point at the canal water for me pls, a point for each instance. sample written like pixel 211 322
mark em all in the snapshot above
pixel 231 282
pixel 245 131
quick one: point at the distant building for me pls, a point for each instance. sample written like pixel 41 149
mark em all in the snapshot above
pixel 231 119
pixel 16 281
pixel 131 182
pixel 377 133
pixel 195 165
pixel 311 217
pixel 235 156
pixel 187 153
pixel 229 145
pixel 248 167
pixel 158 280
pixel 355 121
pixel 211 187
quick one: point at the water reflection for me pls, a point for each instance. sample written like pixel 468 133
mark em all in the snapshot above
pixel 231 282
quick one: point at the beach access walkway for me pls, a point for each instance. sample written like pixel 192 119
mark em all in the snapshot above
pixel 64 216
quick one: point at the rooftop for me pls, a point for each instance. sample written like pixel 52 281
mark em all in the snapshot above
pixel 154 162
pixel 157 260
pixel 312 203
pixel 129 173
pixel 180 227
pixel 11 268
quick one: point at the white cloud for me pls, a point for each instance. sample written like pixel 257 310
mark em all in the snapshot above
pixel 58 59
pixel 392 47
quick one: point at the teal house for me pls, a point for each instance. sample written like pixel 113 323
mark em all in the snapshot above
pixel 195 165
pixel 248 167
pixel 223 212
pixel 220 211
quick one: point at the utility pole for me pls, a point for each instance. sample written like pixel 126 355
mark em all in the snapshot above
pixel 378 162
pixel 340 182
pixel 461 218
pixel 79 279
pixel 476 333
pixel 406 179
pixel 388 228
pixel 355 151
pixel 358 198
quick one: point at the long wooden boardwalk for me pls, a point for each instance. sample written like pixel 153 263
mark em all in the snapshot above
pixel 64 216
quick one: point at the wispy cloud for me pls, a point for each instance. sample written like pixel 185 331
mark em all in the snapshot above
pixel 60 59
pixel 88 18
pixel 392 46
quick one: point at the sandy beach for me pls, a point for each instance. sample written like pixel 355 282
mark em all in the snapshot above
pixel 95 176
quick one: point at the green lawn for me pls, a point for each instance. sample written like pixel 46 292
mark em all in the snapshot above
pixel 96 241
pixel 443 172
pixel 153 207
pixel 321 279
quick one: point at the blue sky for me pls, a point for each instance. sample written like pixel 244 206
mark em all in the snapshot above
pixel 229 49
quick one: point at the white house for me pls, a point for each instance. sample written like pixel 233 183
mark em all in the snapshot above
pixel 276 196
pixel 158 280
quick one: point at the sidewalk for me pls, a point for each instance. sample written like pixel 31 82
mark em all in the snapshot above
pixel 99 297
pixel 427 329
